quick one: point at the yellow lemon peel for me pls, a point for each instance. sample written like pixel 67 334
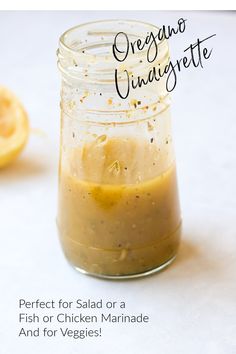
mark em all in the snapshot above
pixel 14 127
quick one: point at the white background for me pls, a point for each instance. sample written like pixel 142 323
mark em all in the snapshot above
pixel 192 305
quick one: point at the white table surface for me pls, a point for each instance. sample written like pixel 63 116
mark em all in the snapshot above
pixel 192 305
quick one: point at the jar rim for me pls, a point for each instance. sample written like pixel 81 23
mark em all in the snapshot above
pixel 62 38
pixel 85 50
pixel 82 61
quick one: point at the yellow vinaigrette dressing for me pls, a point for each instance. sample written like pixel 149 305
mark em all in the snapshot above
pixel 118 210
pixel 120 228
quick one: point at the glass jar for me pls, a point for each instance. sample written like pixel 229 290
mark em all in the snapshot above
pixel 118 214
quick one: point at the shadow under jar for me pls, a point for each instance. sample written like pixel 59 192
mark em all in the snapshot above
pixel 118 213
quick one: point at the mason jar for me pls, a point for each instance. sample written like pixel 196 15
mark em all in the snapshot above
pixel 118 210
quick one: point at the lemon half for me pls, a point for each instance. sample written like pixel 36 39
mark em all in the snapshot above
pixel 14 127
